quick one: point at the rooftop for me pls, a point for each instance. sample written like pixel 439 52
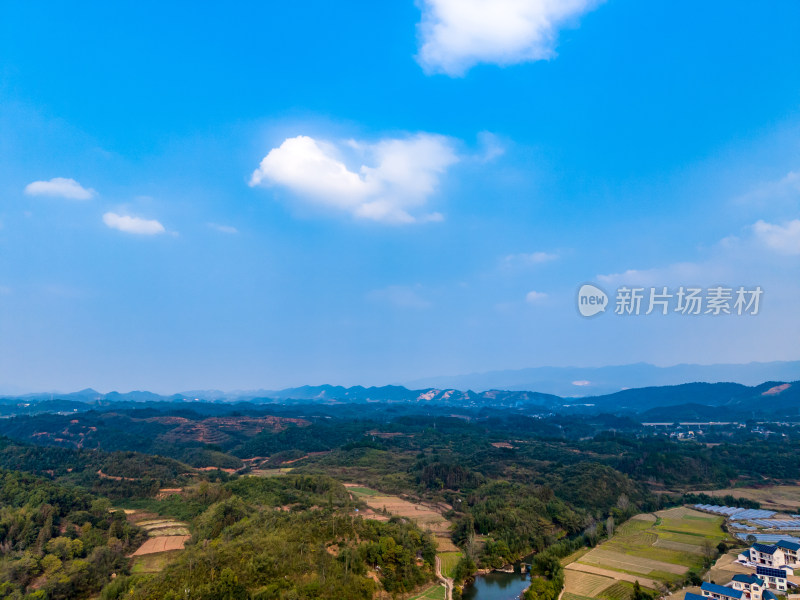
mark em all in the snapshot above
pixel 721 590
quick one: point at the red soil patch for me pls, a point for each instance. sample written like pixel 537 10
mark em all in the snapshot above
pixel 503 445
pixel 773 391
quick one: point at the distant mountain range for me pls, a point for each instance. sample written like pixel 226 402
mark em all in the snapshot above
pixel 688 401
pixel 593 381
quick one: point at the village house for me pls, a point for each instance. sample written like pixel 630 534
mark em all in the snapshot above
pixel 751 586
pixel 721 592
pixel 766 555
pixel 775 578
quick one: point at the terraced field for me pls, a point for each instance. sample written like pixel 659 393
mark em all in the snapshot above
pixel 427 516
pixel 653 549
pixel 162 527
pixel 166 539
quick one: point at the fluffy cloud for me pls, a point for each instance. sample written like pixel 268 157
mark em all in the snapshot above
pixel 135 225
pixel 781 238
pixel 392 185
pixel 60 187
pixel 455 35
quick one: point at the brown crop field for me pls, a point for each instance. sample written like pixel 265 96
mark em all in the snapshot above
pixel 427 516
pixel 586 584
pixel 775 497
pixel 163 543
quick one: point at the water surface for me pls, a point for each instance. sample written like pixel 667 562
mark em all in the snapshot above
pixel 497 586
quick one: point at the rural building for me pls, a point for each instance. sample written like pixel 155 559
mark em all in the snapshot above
pixel 775 578
pixel 767 555
pixel 751 586
pixel 720 592
pixel 790 551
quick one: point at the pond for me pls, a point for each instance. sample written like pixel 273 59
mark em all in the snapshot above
pixel 497 586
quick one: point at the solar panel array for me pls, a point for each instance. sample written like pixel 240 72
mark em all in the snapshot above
pixel 768 538
pixel 770 572
pixel 735 513
pixel 782 524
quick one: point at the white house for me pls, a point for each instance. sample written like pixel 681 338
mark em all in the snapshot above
pixel 775 578
pixel 767 555
pixel 720 592
pixel 790 551
pixel 751 586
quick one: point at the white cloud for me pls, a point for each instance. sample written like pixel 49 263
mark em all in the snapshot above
pixel 229 229
pixel 582 383
pixel 533 297
pixel 532 258
pixel 684 273
pixel 491 146
pixel 60 187
pixel 393 187
pixel 455 35
pixel 784 191
pixel 400 296
pixel 781 238
pixel 135 225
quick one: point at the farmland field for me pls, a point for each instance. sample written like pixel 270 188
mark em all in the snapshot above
pixel 775 497
pixel 153 563
pixel 166 543
pixel 428 517
pixel 449 562
pixel 432 593
pixel 654 549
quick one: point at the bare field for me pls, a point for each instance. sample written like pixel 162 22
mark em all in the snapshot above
pixel 613 575
pixel 164 543
pixel 627 562
pixel 776 497
pixel 427 516
pixel 581 583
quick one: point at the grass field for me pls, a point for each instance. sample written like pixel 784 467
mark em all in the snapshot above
pixel 362 491
pixel 432 593
pixel 449 562
pixel 654 549
pixel 271 472
pixel 153 563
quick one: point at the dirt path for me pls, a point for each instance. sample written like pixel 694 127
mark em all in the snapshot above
pixel 448 583
pixel 653 585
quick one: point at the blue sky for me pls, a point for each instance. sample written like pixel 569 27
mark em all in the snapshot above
pixel 275 194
